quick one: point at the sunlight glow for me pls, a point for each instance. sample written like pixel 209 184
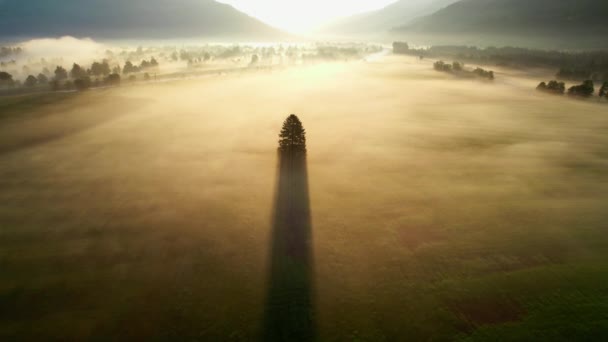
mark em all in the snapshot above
pixel 300 16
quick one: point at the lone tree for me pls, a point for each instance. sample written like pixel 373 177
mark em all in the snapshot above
pixel 293 136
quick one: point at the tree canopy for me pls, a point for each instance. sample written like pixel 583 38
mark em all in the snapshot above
pixel 43 79
pixel 77 72
pixel 60 73
pixel 584 90
pixel 31 81
pixel 604 90
pixel 293 136
pixel 6 79
pixel 100 69
pixel 554 87
pixel 5 76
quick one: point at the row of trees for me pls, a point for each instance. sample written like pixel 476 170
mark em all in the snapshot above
pixel 586 89
pixel 131 68
pixel 554 87
pixel 587 65
pixel 6 51
pixel 575 66
pixel 458 68
pixel 80 78
pixel 445 67
pixel 489 74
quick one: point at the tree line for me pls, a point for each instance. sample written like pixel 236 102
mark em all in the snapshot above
pixel 457 68
pixel 81 78
pixel 585 90
pixel 574 66
pixel 6 51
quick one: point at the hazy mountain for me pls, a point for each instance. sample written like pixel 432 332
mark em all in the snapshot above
pixel 397 14
pixel 521 17
pixel 129 19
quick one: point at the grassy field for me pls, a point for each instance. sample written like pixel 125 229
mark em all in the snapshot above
pixel 440 209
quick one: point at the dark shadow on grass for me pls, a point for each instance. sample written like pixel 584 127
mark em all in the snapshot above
pixel 289 311
pixel 66 124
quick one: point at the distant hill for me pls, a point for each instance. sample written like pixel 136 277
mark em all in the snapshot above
pixel 397 14
pixel 129 19
pixel 516 17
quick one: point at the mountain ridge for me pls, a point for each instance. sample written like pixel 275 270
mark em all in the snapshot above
pixel 515 16
pixel 133 19
pixel 382 20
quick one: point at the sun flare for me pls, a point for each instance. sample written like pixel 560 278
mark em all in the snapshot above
pixel 303 16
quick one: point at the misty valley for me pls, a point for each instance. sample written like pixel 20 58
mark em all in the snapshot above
pixel 427 170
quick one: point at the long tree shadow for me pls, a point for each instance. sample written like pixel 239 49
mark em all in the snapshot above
pixel 289 314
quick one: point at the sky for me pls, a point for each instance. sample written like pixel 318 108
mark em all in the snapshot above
pixel 301 16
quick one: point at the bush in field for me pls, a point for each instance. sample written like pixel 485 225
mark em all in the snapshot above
pixel 254 59
pixel 442 66
pixel 112 79
pixel 554 87
pixel 293 136
pixel 6 79
pixel 83 83
pixel 31 81
pixel 458 69
pixel 61 74
pixel 583 90
pixel 604 90
pixel 400 48
pixel 484 73
pixel 55 85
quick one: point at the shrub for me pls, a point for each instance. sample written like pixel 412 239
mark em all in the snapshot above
pixel 484 73
pixel 82 84
pixel 442 66
pixel 400 48
pixel 112 80
pixel 554 87
pixel 583 90
pixel 604 90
